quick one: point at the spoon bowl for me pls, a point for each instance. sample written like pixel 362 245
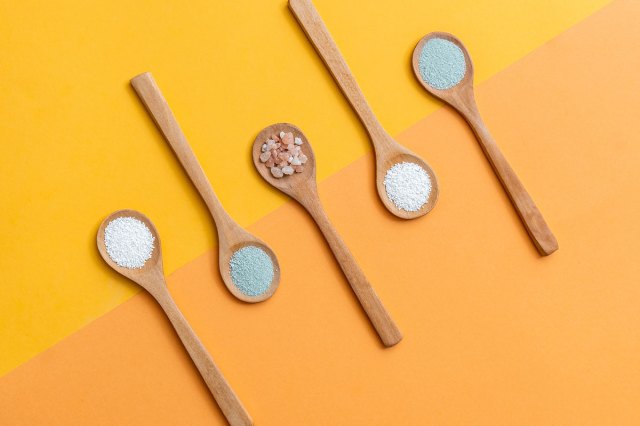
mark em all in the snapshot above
pixel 293 185
pixel 302 187
pixel 151 277
pixel 226 252
pixel 385 159
pixel 460 96
pixel 147 276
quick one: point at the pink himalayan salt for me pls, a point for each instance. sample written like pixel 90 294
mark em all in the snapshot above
pixel 283 155
pixel 288 138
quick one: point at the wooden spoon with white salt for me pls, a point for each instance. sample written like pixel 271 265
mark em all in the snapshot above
pixel 150 276
pixel 232 238
pixel 302 188
pixel 388 152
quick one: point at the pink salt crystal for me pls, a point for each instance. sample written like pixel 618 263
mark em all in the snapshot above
pixel 290 147
pixel 265 156
pixel 282 164
pixel 288 138
pixel 298 169
pixel 283 156
pixel 276 172
pixel 303 158
pixel 276 138
pixel 270 163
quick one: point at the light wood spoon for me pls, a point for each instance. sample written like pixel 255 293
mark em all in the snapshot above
pixel 231 236
pixel 461 97
pixel 151 278
pixel 387 151
pixel 302 188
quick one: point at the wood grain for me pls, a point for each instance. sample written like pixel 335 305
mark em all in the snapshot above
pixel 461 98
pixel 388 152
pixel 302 187
pixel 231 236
pixel 151 278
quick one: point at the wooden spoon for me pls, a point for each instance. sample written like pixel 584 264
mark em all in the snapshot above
pixel 151 278
pixel 461 98
pixel 302 188
pixel 388 152
pixel 231 236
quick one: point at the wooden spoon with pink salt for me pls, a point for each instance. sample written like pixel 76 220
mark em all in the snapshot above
pixel 300 184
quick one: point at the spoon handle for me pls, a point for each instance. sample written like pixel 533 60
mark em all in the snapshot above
pixel 373 307
pixel 524 205
pixel 312 24
pixel 226 398
pixel 155 103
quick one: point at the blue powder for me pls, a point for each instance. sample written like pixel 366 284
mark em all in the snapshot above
pixel 441 63
pixel 251 270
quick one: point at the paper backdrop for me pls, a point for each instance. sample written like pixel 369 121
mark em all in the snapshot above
pixel 494 334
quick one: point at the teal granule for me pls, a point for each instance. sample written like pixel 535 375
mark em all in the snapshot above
pixel 441 63
pixel 251 270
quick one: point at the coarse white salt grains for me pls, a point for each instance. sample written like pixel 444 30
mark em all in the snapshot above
pixel 129 242
pixel 408 186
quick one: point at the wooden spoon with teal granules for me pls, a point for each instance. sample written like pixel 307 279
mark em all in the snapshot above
pixel 248 266
pixel 443 66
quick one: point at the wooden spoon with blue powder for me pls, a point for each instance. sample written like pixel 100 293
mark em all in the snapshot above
pixel 443 66
pixel 301 186
pixel 130 244
pixel 406 184
pixel 249 268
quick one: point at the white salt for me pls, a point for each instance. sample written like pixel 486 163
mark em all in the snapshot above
pixel 129 242
pixel 408 186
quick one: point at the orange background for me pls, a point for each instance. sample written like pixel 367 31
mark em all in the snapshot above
pixel 494 334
